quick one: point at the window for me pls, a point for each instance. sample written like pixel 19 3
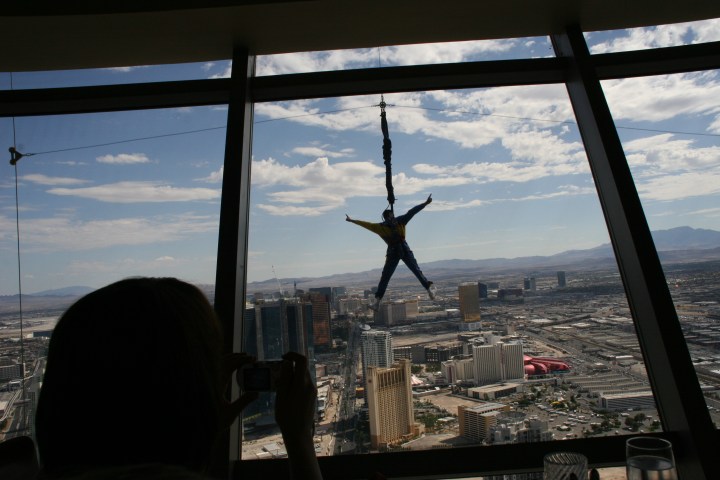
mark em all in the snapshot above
pixel 114 75
pixel 421 54
pixel 529 131
pixel 670 136
pixel 101 197
pixel 654 37
pixel 515 215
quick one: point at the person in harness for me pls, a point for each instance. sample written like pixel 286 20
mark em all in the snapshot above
pixel 392 231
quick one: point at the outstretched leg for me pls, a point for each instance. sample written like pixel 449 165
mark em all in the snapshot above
pixel 392 258
pixel 412 264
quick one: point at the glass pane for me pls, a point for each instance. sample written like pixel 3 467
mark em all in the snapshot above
pixel 529 336
pixel 654 37
pixel 115 75
pixel 671 136
pixel 421 54
pixel 97 204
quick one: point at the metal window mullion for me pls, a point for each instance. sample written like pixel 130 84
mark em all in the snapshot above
pixel 667 360
pixel 231 272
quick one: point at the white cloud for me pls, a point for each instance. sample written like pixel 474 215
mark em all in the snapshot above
pixel 384 56
pixel 661 36
pixel 470 119
pixel 322 152
pixel 165 259
pixel 72 234
pixel 123 158
pixel 41 179
pixel 120 69
pixel 214 177
pixel 709 212
pixel 664 154
pixel 677 187
pixel 289 210
pixel 663 97
pixel 72 163
pixel 138 192
pixel 563 191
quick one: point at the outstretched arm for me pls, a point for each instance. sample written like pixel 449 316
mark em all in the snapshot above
pixel 411 213
pixel 373 227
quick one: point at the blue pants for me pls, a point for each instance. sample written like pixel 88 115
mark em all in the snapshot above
pixel 394 254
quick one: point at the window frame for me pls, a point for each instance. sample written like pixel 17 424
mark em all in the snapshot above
pixel 685 419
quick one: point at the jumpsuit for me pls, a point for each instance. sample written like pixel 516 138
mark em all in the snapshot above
pixel 393 233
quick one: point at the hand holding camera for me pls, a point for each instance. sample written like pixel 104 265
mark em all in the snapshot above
pixel 262 376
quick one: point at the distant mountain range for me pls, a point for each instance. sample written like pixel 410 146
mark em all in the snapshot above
pixel 676 245
pixel 74 291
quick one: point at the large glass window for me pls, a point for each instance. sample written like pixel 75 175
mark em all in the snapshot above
pixel 113 75
pixel 421 54
pixel 670 130
pixel 654 37
pixel 101 197
pixel 529 337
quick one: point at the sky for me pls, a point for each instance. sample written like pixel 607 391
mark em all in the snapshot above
pixel 112 195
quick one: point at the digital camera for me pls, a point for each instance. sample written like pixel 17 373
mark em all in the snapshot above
pixel 261 376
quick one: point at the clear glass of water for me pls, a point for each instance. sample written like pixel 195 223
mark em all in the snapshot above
pixel 649 458
pixel 562 465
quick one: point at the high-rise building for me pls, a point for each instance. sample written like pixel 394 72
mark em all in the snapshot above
pixel 390 404
pixel 376 347
pixel 487 364
pixel 350 305
pixel 320 317
pixel 476 422
pixel 396 313
pixel 513 364
pixel 498 362
pixel 469 294
pixel 483 290
pixel 561 279
pixel 513 427
pixel 458 370
pixel 271 329
pixel 274 328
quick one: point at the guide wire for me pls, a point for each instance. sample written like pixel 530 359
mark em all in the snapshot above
pixel 326 112
pixel 14 157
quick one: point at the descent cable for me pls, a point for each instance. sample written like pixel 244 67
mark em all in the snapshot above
pixel 387 155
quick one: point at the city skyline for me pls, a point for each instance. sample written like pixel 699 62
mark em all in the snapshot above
pixel 112 195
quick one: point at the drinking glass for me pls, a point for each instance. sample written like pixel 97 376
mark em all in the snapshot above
pixel 561 466
pixel 649 458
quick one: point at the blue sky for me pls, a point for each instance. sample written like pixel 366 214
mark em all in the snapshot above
pixel 506 168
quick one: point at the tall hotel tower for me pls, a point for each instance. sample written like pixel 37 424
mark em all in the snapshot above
pixel 320 317
pixel 498 362
pixel 376 350
pixel 469 293
pixel 390 404
pixel 272 329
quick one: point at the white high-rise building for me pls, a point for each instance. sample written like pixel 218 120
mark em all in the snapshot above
pixel 487 364
pixel 498 362
pixel 458 370
pixel 513 363
pixel 376 346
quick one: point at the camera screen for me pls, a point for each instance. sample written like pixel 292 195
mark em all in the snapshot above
pixel 257 379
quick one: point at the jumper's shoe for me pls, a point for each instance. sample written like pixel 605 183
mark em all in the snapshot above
pixel 432 290
pixel 375 305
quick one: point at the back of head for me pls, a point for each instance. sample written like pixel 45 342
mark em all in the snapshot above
pixel 387 215
pixel 132 376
